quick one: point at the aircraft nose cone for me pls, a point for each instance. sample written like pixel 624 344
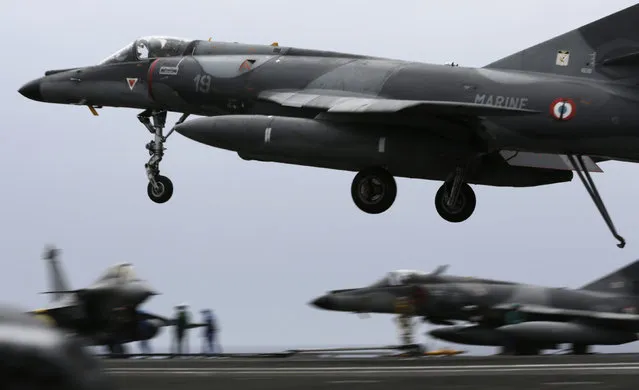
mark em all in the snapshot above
pixel 31 90
pixel 325 302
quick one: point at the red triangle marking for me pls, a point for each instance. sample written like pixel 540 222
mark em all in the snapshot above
pixel 131 82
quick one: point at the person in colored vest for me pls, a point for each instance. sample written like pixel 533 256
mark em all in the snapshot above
pixel 182 321
pixel 210 332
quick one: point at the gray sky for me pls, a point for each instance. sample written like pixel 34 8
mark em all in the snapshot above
pixel 256 241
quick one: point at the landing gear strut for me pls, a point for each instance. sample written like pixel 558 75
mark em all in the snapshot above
pixel 584 175
pixel 160 188
pixel 374 190
pixel 455 200
pixel 406 326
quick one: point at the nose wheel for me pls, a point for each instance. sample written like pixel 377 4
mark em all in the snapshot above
pixel 374 190
pixel 160 188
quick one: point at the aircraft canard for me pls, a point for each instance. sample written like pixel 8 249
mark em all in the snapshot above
pixel 515 102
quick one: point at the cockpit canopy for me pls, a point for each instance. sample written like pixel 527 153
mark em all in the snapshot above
pixel 122 272
pixel 149 47
pixel 398 278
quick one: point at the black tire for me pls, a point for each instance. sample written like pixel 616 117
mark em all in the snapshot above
pixel 384 190
pixel 464 208
pixel 164 192
pixel 580 349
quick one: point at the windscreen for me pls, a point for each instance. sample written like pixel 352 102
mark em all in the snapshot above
pixel 148 47
pixel 397 278
pixel 121 272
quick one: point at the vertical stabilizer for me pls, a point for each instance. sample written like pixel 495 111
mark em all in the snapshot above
pixel 622 281
pixel 607 49
pixel 57 283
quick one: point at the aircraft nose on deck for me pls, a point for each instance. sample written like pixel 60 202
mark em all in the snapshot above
pixel 31 90
pixel 325 302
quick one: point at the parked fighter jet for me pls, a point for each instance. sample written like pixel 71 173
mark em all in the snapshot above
pixel 526 120
pixel 523 319
pixel 104 313
pixel 361 300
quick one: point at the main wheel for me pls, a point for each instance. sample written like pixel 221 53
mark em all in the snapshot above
pixel 374 190
pixel 164 189
pixel 579 349
pixel 462 209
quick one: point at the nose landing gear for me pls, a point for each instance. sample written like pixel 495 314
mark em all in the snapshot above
pixel 160 188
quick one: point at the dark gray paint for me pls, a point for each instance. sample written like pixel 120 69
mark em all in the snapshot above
pixel 603 312
pixel 430 104
pixel 90 312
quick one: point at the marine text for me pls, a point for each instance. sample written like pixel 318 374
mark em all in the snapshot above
pixel 501 101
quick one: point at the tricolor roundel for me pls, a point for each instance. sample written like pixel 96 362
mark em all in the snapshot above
pixel 563 109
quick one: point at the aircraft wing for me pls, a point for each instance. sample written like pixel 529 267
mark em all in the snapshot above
pixel 337 102
pixel 545 160
pixel 548 311
pixel 323 100
pixel 169 321
pixel 150 316
pixel 59 312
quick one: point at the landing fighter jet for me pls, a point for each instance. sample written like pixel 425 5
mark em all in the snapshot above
pixel 104 313
pixel 525 120
pixel 521 318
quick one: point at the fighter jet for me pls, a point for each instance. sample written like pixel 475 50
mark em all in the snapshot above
pixel 398 283
pixel 529 119
pixel 104 313
pixel 521 318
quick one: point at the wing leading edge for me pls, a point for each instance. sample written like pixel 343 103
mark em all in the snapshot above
pixel 372 104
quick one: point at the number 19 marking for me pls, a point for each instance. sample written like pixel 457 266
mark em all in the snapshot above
pixel 202 83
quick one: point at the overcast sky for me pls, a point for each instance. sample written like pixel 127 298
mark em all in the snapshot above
pixel 254 241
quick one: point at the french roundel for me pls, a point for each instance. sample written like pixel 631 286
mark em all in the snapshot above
pixel 563 109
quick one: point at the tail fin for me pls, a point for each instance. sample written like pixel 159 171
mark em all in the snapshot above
pixel 607 49
pixel 57 282
pixel 624 281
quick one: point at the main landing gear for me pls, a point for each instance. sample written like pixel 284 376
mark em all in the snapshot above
pixel 374 191
pixel 160 188
pixel 455 200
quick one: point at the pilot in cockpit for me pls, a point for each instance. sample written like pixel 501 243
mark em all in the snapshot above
pixel 397 278
pixel 148 48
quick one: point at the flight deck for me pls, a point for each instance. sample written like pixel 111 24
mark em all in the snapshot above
pixel 598 371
